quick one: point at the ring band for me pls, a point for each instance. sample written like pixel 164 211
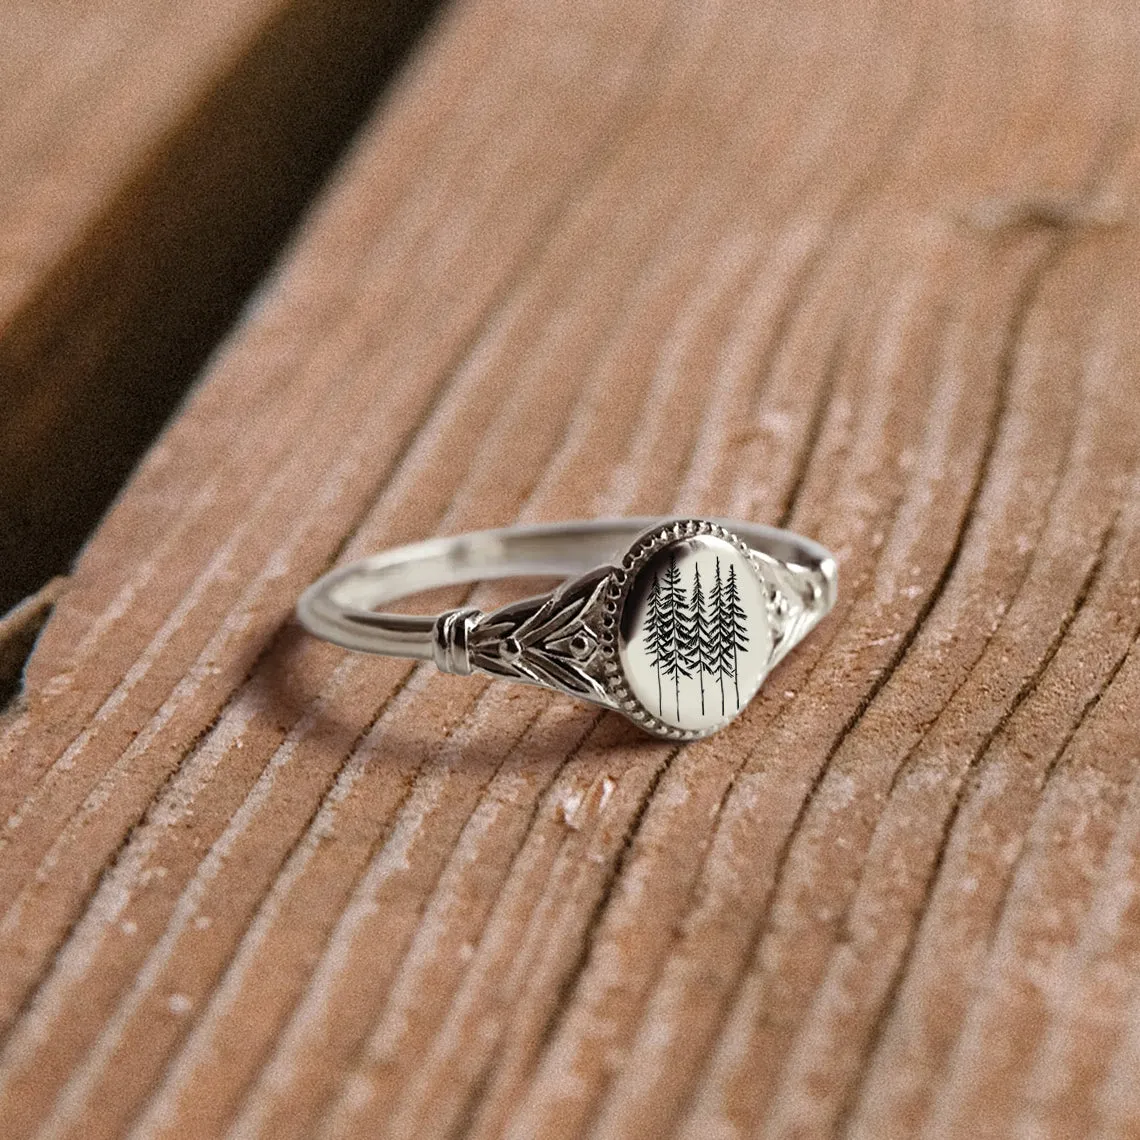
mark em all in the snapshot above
pixel 674 623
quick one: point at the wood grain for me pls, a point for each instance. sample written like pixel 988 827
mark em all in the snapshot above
pixel 867 272
pixel 153 156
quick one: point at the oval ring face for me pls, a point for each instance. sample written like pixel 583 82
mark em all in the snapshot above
pixel 694 638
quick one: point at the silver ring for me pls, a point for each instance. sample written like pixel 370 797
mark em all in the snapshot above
pixel 674 623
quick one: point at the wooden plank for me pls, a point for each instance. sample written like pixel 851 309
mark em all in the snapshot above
pixel 869 273
pixel 152 158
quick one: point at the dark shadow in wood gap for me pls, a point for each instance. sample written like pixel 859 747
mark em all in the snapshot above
pixel 92 367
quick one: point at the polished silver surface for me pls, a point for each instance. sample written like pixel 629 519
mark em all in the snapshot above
pixel 695 639
pixel 600 635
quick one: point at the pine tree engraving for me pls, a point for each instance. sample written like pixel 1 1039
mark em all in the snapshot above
pixel 674 629
pixel 716 633
pixel 689 632
pixel 653 638
pixel 734 631
pixel 700 655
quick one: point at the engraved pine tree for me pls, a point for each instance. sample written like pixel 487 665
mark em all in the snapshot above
pixel 733 631
pixel 701 646
pixel 673 629
pixel 690 633
pixel 653 632
pixel 716 608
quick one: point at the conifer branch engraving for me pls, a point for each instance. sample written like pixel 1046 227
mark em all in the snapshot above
pixel 690 633
pixel 716 632
pixel 734 632
pixel 675 629
pixel 700 654
pixel 653 633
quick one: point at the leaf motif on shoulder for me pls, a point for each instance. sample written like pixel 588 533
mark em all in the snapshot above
pixel 548 640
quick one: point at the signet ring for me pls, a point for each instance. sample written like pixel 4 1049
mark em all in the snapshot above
pixel 673 623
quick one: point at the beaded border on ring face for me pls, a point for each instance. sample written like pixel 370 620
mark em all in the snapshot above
pixel 621 579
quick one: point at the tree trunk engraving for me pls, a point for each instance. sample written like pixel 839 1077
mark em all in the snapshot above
pixel 653 634
pixel 701 656
pixel 716 632
pixel 675 630
pixel 733 632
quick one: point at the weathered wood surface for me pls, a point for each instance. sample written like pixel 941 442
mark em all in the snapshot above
pixel 866 270
pixel 152 156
